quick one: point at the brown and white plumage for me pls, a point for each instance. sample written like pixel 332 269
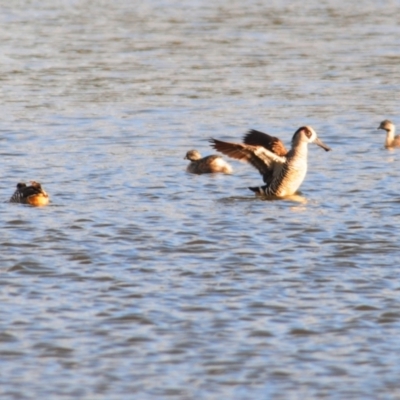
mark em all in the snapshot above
pixel 206 165
pixel 391 140
pixel 283 171
pixel 271 143
pixel 33 194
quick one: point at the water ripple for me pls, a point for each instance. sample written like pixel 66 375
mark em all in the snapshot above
pixel 142 280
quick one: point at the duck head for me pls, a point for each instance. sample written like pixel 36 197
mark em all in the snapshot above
pixel 307 134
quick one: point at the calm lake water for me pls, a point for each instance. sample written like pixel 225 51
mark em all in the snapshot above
pixel 140 281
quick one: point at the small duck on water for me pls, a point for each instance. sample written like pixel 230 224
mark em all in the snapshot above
pixel 391 139
pixel 283 171
pixel 33 194
pixel 206 165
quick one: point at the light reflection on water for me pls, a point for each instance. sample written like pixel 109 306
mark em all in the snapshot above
pixel 142 280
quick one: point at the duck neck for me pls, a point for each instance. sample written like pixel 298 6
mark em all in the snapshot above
pixel 300 150
pixel 390 136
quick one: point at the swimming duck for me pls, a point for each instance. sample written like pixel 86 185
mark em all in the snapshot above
pixel 206 165
pixel 33 194
pixel 391 140
pixel 283 171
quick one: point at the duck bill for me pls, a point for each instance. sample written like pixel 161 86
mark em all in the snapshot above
pixel 321 144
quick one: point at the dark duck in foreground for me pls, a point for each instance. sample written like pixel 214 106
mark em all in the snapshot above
pixel 283 171
pixel 33 194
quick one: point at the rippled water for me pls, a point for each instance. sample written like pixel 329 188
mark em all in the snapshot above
pixel 141 281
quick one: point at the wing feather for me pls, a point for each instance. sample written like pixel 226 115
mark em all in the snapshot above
pixel 271 143
pixel 265 161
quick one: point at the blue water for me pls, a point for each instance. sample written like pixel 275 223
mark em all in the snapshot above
pixel 142 281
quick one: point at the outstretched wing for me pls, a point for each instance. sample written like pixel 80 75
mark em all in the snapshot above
pixel 271 143
pixel 265 161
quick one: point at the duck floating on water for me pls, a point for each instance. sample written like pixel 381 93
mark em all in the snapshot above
pixel 33 194
pixel 283 171
pixel 206 165
pixel 391 140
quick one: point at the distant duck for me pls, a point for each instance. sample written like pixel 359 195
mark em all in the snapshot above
pixel 33 194
pixel 206 165
pixel 283 171
pixel 391 140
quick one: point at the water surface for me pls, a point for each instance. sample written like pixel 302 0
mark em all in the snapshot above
pixel 142 281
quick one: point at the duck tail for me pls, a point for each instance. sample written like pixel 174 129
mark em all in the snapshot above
pixel 259 190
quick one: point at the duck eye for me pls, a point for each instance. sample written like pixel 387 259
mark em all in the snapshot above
pixel 308 133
